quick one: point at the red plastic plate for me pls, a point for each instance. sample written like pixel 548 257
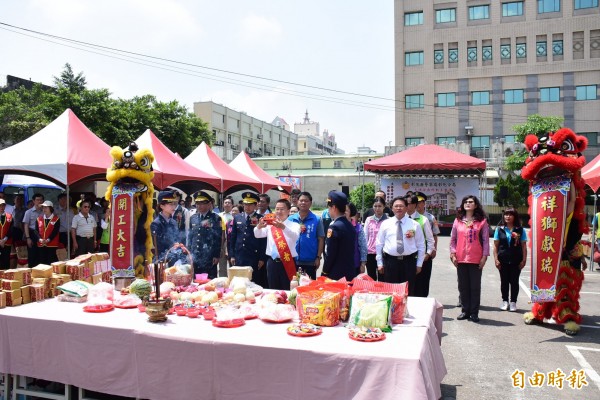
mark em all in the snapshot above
pixel 359 339
pixel 228 324
pixel 99 309
pixel 271 321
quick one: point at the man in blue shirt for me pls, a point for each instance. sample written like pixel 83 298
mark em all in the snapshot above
pixel 311 242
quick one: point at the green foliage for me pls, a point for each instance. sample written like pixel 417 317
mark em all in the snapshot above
pixel 517 189
pixel 356 196
pixel 116 121
pixel 536 125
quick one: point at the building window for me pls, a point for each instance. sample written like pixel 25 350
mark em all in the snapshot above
pixel 508 139
pixel 587 92
pixel 472 54
pixel 228 138
pixel 445 140
pixel 480 98
pixel 592 137
pixel 486 53
pixel 316 164
pixel 548 6
pixel 413 141
pixel 414 101
pixel 505 51
pixel 445 15
pixel 479 12
pixel 438 56
pixel 521 50
pixel 579 4
pixel 557 47
pixel 512 9
pixel 541 49
pixel 452 55
pixel 549 94
pixel 513 96
pixel 413 58
pixel 446 99
pixel 415 18
pixel 337 164
pixel 480 142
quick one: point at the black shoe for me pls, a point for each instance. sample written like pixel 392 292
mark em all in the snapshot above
pixel 462 316
pixel 474 318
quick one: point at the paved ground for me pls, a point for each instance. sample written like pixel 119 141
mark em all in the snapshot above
pixel 481 358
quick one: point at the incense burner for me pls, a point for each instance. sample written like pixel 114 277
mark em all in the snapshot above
pixel 157 310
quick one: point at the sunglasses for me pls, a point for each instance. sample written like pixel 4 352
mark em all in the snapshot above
pixel 469 201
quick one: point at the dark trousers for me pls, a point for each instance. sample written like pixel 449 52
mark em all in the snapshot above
pixel 372 266
pixel 47 255
pixel 105 248
pixel 422 279
pixel 276 274
pixel 85 245
pixel 63 238
pixel 469 287
pixel 33 253
pixel 399 271
pixel 259 276
pixel 5 256
pixel 310 270
pixel 509 276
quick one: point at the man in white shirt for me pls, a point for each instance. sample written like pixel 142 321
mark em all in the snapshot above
pixel 83 230
pixel 282 235
pixel 66 214
pixel 226 216
pixel 30 229
pixel 422 280
pixel 400 247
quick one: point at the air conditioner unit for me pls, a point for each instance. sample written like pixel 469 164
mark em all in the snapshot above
pixel 248 150
pixel 259 136
pixel 219 143
pixel 234 146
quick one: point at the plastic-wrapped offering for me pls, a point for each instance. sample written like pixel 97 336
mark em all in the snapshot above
pixel 371 310
pixel 101 294
pixel 75 288
pixel 318 306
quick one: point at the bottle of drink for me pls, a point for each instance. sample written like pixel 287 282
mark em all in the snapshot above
pixel 294 283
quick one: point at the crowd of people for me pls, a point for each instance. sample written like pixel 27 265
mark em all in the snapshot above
pixel 394 242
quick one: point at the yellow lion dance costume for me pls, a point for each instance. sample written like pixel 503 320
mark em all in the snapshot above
pixel 135 166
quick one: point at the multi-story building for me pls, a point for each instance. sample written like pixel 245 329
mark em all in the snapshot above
pixel 467 71
pixel 235 131
pixel 311 141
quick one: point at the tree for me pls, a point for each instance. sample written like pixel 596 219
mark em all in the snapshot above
pixel 516 191
pixel 356 196
pixel 22 113
pixel 517 188
pixel 68 80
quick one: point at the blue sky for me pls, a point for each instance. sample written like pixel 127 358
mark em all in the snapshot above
pixel 345 46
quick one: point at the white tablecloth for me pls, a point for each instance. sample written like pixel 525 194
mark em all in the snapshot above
pixel 120 353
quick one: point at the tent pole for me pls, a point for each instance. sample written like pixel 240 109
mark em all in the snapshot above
pixel 69 225
pixel 593 235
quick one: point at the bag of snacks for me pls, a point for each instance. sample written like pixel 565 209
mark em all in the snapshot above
pixel 371 310
pixel 398 291
pixel 75 288
pixel 340 285
pixel 319 305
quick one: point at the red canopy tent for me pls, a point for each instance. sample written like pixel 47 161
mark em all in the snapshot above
pixel 428 159
pixel 244 164
pixel 231 180
pixel 591 173
pixel 172 170
pixel 64 152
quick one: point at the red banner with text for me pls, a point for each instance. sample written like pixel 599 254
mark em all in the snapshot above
pixel 121 234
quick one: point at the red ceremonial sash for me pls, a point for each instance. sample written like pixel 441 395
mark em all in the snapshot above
pixel 45 231
pixel 284 252
pixel 549 223
pixel 5 227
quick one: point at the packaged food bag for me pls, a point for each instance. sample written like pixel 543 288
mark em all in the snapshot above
pixel 371 310
pixel 318 305
pixel 340 285
pixel 398 291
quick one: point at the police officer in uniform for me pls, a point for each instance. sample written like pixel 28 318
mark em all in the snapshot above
pixel 164 228
pixel 204 237
pixel 244 248
pixel 341 239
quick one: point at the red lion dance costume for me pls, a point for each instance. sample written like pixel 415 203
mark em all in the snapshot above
pixel 556 157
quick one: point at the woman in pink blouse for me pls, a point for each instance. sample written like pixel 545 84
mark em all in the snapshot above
pixel 372 225
pixel 469 250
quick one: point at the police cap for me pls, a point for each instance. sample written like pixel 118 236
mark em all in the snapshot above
pixel 249 198
pixel 202 197
pixel 338 199
pixel 167 196
pixel 421 196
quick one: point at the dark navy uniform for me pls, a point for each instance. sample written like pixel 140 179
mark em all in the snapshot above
pixel 166 235
pixel 247 249
pixel 180 216
pixel 164 231
pixel 340 242
pixel 204 241
pixel 339 254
